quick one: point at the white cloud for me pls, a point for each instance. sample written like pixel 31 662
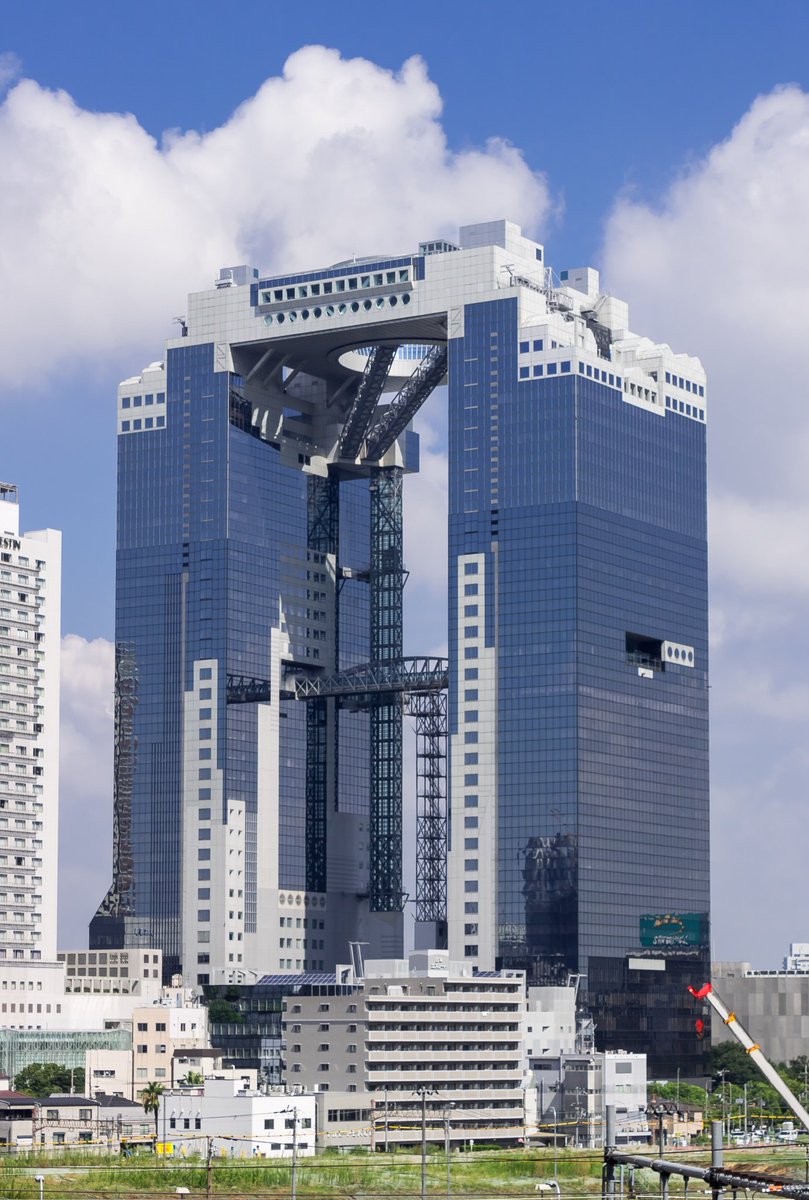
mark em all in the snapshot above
pixel 719 268
pixel 85 835
pixel 761 545
pixel 103 231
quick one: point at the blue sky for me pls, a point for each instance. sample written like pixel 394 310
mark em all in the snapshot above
pixel 660 141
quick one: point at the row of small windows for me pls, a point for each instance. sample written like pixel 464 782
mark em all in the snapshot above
pixel 688 410
pixel 685 384
pixel 538 370
pixel 143 423
pixel 329 286
pixel 541 369
pixel 143 401
pixel 339 309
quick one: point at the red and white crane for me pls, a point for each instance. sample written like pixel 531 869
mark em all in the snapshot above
pixel 707 993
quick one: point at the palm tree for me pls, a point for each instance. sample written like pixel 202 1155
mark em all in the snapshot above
pixel 192 1079
pixel 151 1101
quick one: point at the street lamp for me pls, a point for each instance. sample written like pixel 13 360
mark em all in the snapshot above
pixel 41 1181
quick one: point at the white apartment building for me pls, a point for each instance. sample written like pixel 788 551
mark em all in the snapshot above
pixel 30 594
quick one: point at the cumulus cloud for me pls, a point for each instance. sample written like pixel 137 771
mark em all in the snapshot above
pixel 720 267
pixel 104 231
pixel 85 835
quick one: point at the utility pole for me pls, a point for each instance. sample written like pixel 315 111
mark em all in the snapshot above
pixel 423 1144
pixel 294 1154
pixel 209 1169
pixel 446 1153
pixel 386 1118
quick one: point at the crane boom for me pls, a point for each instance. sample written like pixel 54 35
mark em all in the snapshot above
pixel 706 992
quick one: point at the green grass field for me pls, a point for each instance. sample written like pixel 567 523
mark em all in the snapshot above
pixel 364 1176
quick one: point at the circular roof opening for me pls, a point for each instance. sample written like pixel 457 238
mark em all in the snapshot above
pixel 406 360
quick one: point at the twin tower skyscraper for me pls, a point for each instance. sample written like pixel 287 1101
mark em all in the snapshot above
pixel 261 684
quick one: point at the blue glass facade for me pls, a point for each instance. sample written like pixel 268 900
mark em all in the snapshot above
pixel 589 514
pixel 214 562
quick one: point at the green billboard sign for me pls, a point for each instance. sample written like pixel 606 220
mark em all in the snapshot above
pixel 673 929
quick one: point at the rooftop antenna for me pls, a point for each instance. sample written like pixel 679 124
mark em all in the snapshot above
pixel 181 321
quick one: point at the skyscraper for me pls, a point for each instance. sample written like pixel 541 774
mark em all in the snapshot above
pixel 30 599
pixel 261 677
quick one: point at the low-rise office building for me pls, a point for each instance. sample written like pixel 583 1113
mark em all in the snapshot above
pixel 572 1091
pixel 237 1121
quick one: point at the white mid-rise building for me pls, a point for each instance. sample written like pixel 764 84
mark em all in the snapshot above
pixel 30 592
pixel 239 1121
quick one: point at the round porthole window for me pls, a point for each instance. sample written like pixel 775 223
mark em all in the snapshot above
pixel 393 301
pixel 342 308
pixel 669 652
pixel 406 298
pixel 366 304
pixel 355 306
pixel 380 302
pixel 329 310
pixel 317 312
pixel 690 656
pixel 293 316
pixel 268 319
pixel 280 318
pixel 305 314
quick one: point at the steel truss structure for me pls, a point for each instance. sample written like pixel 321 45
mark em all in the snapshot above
pixel 119 900
pixel 323 536
pixel 387 687
pixel 365 401
pixel 404 406
pixel 386 584
pixel 430 711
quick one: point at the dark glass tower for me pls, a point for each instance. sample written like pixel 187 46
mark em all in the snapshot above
pixel 578 626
